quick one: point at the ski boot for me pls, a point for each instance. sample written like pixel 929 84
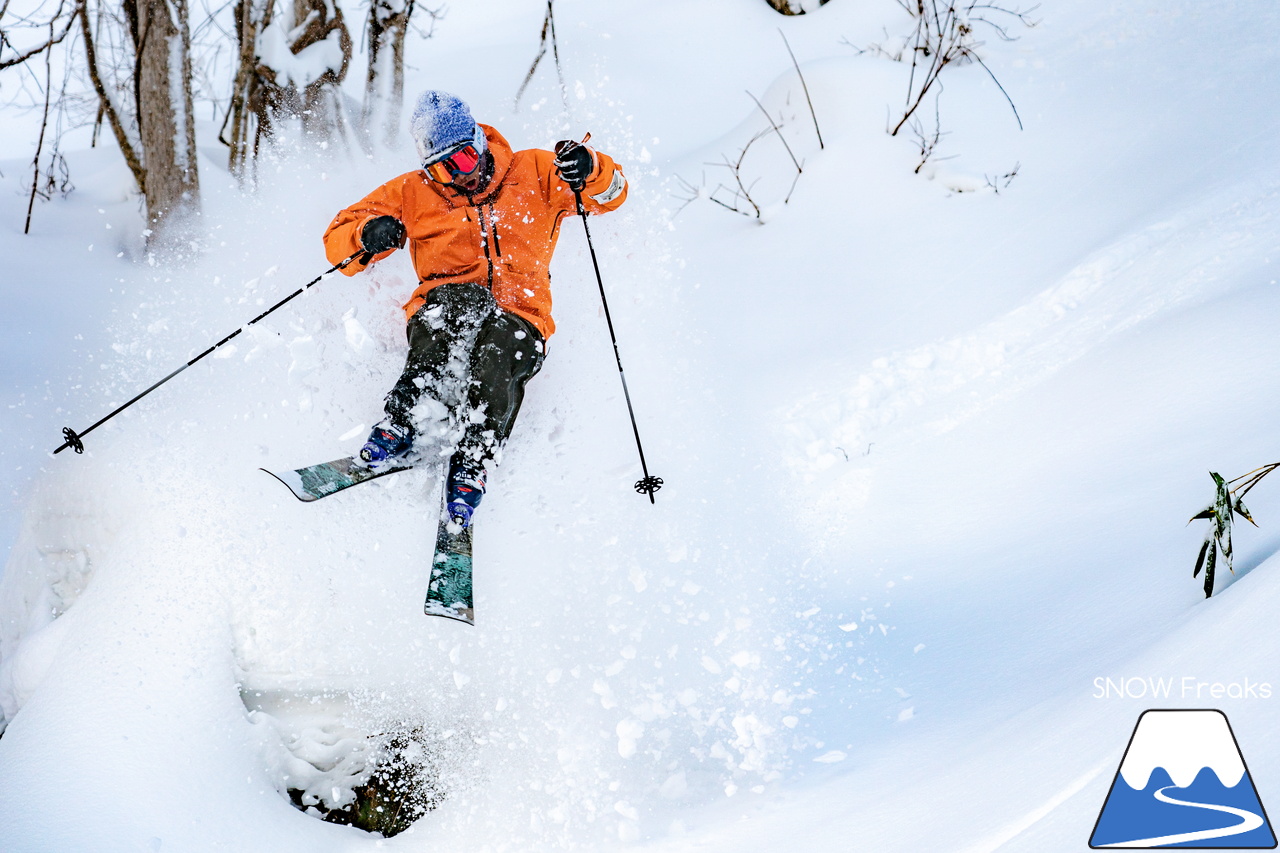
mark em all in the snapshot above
pixel 387 442
pixel 466 489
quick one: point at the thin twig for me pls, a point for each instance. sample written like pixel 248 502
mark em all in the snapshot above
pixel 805 86
pixel 1252 478
pixel 44 122
pixel 776 130
pixel 794 181
pixel 53 40
pixel 122 137
pixel 548 35
pixel 978 59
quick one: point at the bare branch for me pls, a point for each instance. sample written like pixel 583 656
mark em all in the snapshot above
pixel 776 130
pixel 805 86
pixel 1002 182
pixel 113 116
pixel 39 49
pixel 548 36
pixel 945 35
pixel 44 123
pixel 1012 106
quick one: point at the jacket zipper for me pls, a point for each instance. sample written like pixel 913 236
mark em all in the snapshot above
pixel 484 242
pixel 493 220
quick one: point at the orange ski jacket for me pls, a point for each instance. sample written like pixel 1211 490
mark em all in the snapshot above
pixel 502 238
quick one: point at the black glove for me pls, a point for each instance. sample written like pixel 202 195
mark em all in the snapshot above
pixel 380 234
pixel 574 163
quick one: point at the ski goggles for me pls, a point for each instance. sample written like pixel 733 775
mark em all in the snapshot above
pixel 459 162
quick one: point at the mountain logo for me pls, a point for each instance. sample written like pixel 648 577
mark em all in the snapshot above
pixel 1183 783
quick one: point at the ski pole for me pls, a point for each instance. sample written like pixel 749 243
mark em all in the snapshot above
pixel 647 485
pixel 74 439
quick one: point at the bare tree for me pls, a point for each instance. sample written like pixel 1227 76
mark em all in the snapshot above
pixel 387 27
pixel 166 123
pixel 139 60
pixel 548 38
pixel 291 64
pixel 316 31
pixel 111 86
pixel 251 17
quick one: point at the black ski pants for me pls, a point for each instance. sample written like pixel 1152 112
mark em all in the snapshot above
pixel 472 356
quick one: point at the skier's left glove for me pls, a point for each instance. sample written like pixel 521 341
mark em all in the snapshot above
pixel 575 163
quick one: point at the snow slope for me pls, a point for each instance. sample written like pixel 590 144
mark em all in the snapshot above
pixel 928 454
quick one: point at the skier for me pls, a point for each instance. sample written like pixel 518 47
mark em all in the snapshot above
pixel 481 223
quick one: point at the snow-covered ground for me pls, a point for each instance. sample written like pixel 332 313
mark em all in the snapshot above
pixel 928 450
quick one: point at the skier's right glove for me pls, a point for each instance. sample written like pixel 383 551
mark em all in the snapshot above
pixel 574 163
pixel 381 234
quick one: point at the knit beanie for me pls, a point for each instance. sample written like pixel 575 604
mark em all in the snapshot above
pixel 440 122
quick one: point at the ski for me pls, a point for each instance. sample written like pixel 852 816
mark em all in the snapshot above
pixel 449 592
pixel 328 478
pixel 449 588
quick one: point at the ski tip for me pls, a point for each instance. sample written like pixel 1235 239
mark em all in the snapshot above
pixel 303 496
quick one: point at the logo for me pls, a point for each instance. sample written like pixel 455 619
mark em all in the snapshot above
pixel 1183 783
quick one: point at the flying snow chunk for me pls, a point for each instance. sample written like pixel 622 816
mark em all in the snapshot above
pixel 353 433
pixel 629 731
pixel 305 355
pixel 358 340
pixel 675 787
pixel 833 757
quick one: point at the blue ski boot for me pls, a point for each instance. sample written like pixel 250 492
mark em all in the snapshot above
pixel 387 443
pixel 466 489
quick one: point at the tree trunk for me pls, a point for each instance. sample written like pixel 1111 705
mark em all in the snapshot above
pixel 251 17
pixel 384 87
pixel 320 24
pixel 166 122
pixel 291 65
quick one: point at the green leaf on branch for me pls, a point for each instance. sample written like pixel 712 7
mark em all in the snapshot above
pixel 1219 514
pixel 1208 543
pixel 1208 569
pixel 1242 512
pixel 1227 503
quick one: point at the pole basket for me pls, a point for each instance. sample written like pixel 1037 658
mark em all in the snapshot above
pixel 72 440
pixel 648 485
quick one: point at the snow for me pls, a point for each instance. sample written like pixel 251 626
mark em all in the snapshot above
pixel 1184 743
pixel 928 457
